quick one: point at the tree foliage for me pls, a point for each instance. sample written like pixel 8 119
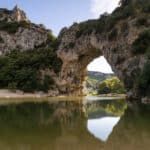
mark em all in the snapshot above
pixel 142 44
pixel 12 27
pixel 143 82
pixel 112 85
pixel 22 69
pixel 106 22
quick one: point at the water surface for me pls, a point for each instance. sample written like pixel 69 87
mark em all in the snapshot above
pixel 74 125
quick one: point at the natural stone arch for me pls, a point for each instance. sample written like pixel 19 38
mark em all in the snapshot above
pixel 74 68
pixel 118 37
pixel 77 52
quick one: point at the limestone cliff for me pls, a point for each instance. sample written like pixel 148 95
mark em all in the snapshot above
pixel 122 37
pixel 16 31
pixel 114 37
pixel 28 59
pixel 13 15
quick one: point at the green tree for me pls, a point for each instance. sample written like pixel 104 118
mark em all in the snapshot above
pixel 22 69
pixel 112 85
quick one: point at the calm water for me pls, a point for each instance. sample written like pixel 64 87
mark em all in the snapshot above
pixel 74 125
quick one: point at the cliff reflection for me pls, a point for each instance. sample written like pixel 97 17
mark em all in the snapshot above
pixel 64 125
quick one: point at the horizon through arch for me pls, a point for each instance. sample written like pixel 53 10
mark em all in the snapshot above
pixel 100 64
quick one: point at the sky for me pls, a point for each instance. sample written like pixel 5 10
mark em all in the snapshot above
pixel 100 64
pixel 56 14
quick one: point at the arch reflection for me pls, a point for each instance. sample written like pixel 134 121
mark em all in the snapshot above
pixel 73 125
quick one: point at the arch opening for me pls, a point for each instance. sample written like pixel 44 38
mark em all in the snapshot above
pixel 115 36
pixel 76 80
pixel 100 64
pixel 100 79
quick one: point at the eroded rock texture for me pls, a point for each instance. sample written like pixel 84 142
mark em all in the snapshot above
pixel 13 15
pixel 17 32
pixel 81 43
pixel 27 54
pixel 122 37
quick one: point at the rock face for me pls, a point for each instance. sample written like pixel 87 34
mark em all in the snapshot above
pixel 16 31
pixel 19 15
pixel 77 51
pixel 24 39
pixel 111 36
pixel 13 15
pixel 34 49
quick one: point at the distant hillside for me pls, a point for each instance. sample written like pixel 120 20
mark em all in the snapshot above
pixel 93 80
pixel 99 75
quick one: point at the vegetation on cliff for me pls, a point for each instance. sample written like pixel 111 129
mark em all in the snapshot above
pixel 23 69
pixel 127 32
pixel 112 85
pixel 141 46
pixel 1 40
pixel 143 81
pixel 12 27
pixel 106 22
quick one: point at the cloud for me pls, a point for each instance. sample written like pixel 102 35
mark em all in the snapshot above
pixel 98 7
pixel 100 64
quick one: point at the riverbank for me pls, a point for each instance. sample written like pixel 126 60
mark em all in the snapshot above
pixel 112 95
pixel 19 94
pixel 5 93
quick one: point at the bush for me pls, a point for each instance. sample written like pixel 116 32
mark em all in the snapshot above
pixel 128 8
pixel 113 35
pixel 48 82
pixel 146 8
pixel 143 6
pixel 104 89
pixel 148 53
pixel 106 22
pixel 141 21
pixel 87 27
pixel 22 69
pixel 127 11
pixel 125 2
pixel 142 44
pixel 1 40
pixel 120 13
pixel 139 5
pixel 125 28
pixel 71 45
pixel 112 85
pixel 110 23
pixel 143 82
pixel 12 86
pixel 12 27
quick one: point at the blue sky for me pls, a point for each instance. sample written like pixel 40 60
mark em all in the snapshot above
pixel 56 14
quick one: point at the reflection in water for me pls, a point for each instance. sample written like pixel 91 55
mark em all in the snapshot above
pixel 102 128
pixel 103 116
pixel 74 125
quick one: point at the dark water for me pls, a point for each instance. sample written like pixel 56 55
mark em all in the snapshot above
pixel 74 125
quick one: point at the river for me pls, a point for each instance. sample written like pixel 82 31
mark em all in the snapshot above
pixel 89 124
